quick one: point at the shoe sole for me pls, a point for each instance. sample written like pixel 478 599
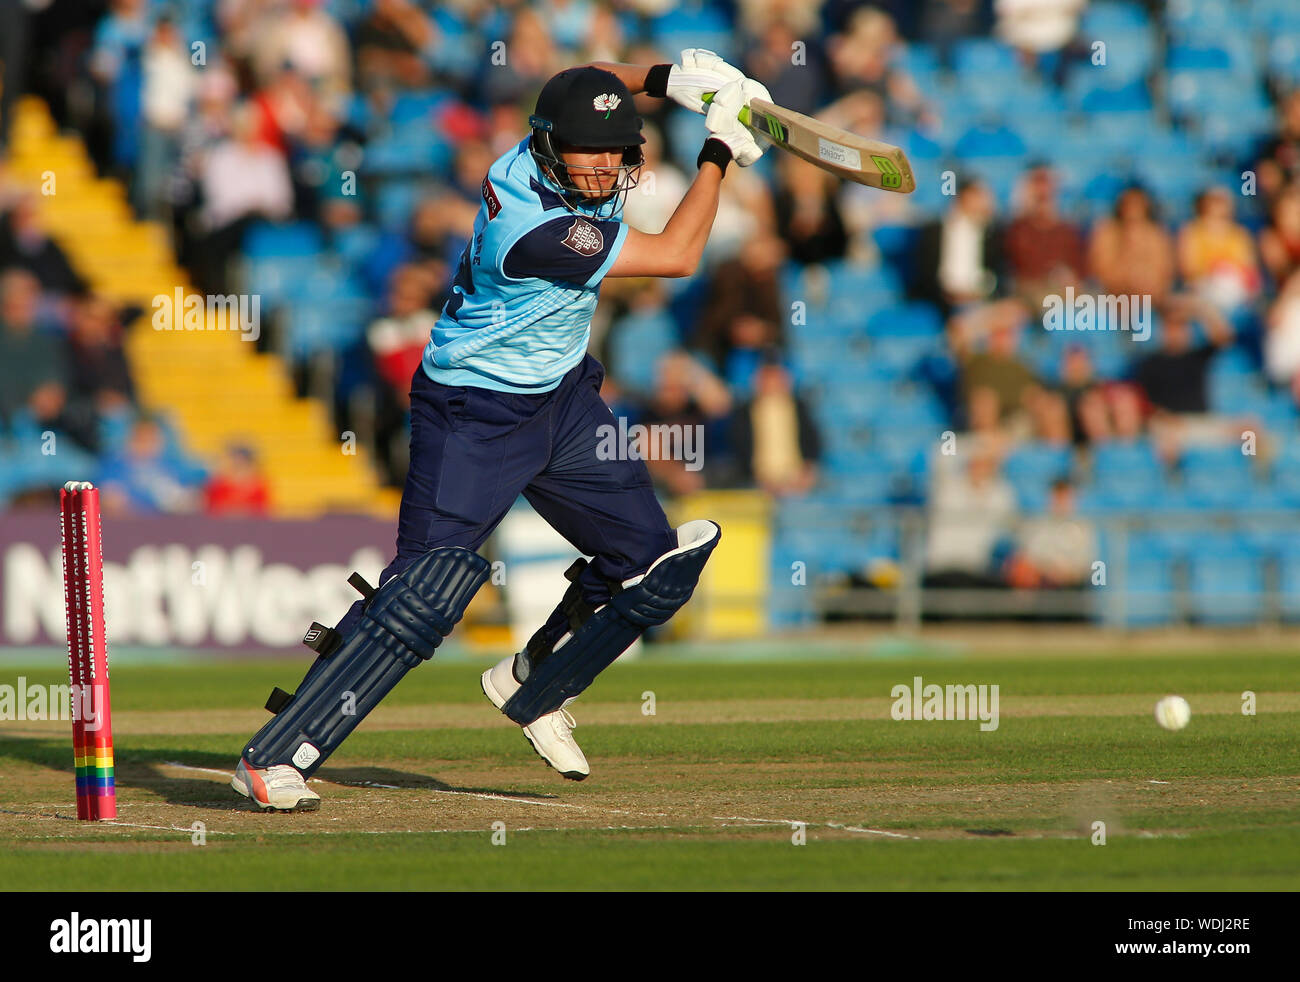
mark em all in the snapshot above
pixel 303 805
pixel 492 697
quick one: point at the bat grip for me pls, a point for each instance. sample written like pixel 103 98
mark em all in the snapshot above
pixel 743 115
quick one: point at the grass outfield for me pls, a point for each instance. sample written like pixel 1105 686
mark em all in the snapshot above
pixel 704 794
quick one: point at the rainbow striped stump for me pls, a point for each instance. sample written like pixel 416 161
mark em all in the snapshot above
pixel 83 590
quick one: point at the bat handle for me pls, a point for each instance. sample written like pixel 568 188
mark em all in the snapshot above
pixel 743 115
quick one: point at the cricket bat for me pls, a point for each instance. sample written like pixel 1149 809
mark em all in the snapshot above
pixel 844 154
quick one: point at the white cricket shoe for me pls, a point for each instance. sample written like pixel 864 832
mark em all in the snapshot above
pixel 550 735
pixel 279 787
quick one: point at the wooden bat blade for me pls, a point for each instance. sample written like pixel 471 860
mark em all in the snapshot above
pixel 847 155
pixel 844 154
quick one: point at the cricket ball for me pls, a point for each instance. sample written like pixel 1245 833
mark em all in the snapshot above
pixel 1173 712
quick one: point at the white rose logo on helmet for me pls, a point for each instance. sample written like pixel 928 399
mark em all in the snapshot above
pixel 607 102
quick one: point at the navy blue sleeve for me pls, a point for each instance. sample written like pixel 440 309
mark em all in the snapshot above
pixel 571 248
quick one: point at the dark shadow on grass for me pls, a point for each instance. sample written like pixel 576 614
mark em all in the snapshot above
pixel 148 769
pixel 373 776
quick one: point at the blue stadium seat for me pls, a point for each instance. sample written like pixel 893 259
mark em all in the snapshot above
pixel 1036 462
pixel 910 320
pixel 1107 17
pixel 417 107
pixel 395 201
pixel 982 57
pixel 1226 580
pixel 989 140
pixel 417 149
pixel 1216 477
pixel 353 243
pixel 265 239
pixel 694 25
pixel 636 344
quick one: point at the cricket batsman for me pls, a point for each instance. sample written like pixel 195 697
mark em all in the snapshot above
pixel 507 402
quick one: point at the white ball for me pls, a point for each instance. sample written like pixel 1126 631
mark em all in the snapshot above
pixel 1173 712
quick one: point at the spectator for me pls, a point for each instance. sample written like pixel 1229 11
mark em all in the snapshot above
pixel 33 367
pixel 440 226
pixel 1279 243
pixel 1039 28
pixel 971 510
pixel 170 81
pixel 320 161
pixel 1077 380
pixel 397 340
pixel 282 108
pixel 100 383
pixel 865 209
pixel 796 86
pixel 14 28
pixel 984 341
pixel 690 399
pixel 986 431
pixel 774 438
pixel 1112 411
pixel 306 38
pixel 1056 550
pixel 862 56
pixel 142 477
pixel 115 64
pixel 807 212
pixel 1131 254
pixel 1045 253
pixel 745 209
pixel 25 244
pixel 959 258
pixel 944 22
pixel 238 487
pixel 1174 378
pixel 1049 416
pixel 533 58
pixel 1216 255
pixel 660 190
pixel 1282 340
pixel 243 179
pixel 391 44
pixel 1277 162
pixel 744 313
pixel 603 38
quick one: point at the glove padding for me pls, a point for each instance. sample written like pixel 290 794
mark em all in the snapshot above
pixel 723 122
pixel 701 71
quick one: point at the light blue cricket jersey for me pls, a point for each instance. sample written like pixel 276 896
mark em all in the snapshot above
pixel 519 314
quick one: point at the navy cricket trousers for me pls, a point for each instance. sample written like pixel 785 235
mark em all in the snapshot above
pixel 474 451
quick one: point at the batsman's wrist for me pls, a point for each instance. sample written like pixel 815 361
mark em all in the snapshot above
pixel 656 81
pixel 716 151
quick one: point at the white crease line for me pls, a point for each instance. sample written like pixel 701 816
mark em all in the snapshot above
pixel 794 824
pixel 486 796
pixel 164 828
pixel 858 828
pixel 201 770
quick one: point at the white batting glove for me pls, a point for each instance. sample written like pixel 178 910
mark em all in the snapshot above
pixel 723 122
pixel 701 71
